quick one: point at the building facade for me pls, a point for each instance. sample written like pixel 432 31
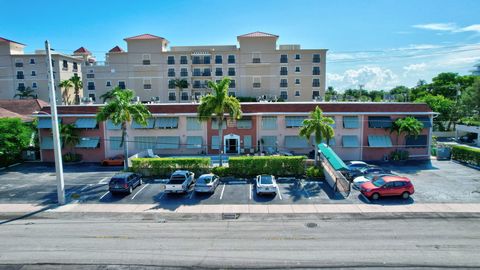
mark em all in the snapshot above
pixel 258 68
pixel 361 130
pixel 19 70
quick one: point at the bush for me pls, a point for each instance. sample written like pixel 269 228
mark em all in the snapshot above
pixel 221 171
pixel 466 154
pixel 399 155
pixel 315 172
pixel 247 99
pixel 72 157
pixel 470 121
pixel 163 167
pixel 275 165
pixel 15 137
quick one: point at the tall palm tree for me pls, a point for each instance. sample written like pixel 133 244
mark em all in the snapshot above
pixel 66 85
pixel 180 84
pixel 411 126
pixel 77 85
pixel 217 104
pixel 319 126
pixel 69 135
pixel 121 111
pixel 109 94
pixel 25 93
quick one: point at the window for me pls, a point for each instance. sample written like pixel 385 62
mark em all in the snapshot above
pixel 294 121
pixel 183 72
pixel 283 71
pixel 315 94
pixel 121 85
pixel 316 58
pixel 351 122
pixel 297 56
pixel 256 58
pixel 20 75
pixel 269 142
pixel 171 96
pixel 297 69
pixel 283 58
pixel 215 143
pixel 232 84
pixel 420 141
pixel 64 65
pixel 193 123
pixel 284 95
pixel 297 81
pixel 53 62
pixel 166 122
pixel 171 72
pixel 75 66
pixel 316 71
pixel 88 142
pixel 231 71
pixel 218 59
pixel 231 59
pixel 184 96
pixel 171 60
pixel 108 83
pixel 197 72
pixel 207 72
pixel 379 122
pixel 244 123
pixel 398 184
pixel 218 72
pixel 90 76
pixel 171 84
pixel 194 142
pixel 114 142
pixel 231 93
pixel 247 141
pixel 379 141
pixel 269 122
pixel 146 59
pixel 21 86
pixel 91 85
pixel 283 83
pixel 197 84
pixel 34 85
pixel 295 142
pixel 196 60
pixel 147 84
pixel 183 60
pixel 206 59
pixel 215 124
pixel 18 63
pixel 316 83
pixel 350 141
pixel 297 93
pixel 32 61
pixel 256 82
pixel 34 73
pixel 92 96
pixel 145 142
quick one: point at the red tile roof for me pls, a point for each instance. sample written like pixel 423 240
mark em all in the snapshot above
pixel 82 50
pixel 24 107
pixel 142 37
pixel 258 34
pixel 4 113
pixel 10 41
pixel 116 49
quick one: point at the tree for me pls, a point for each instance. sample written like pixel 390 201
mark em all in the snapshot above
pixel 180 84
pixel 330 93
pixel 77 85
pixel 25 93
pixel 69 135
pixel 66 85
pixel 471 98
pixel 401 93
pixel 441 105
pixel 109 94
pixel 217 104
pixel 14 138
pixel 121 111
pixel 319 126
pixel 408 125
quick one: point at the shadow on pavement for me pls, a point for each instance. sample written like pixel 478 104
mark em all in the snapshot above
pixel 28 214
pixel 393 200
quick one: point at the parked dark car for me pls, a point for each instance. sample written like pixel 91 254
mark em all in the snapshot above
pixel 367 170
pixel 124 183
pixel 469 138
pixel 353 167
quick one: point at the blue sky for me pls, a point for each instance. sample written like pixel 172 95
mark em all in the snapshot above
pixel 378 44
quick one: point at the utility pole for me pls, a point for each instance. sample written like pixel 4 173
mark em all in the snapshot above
pixel 56 135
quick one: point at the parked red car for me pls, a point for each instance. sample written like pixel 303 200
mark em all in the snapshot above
pixel 113 161
pixel 390 185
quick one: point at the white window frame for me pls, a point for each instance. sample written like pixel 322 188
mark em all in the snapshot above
pixel 168 96
pixel 234 57
pixel 299 58
pixel 107 82
pixel 168 56
pixel 299 81
pixel 299 69
pixel 124 83
pixel 180 61
pixel 297 91
pixel 257 79
pixel 30 61
pixel 147 81
pixel 33 73
pixel 181 96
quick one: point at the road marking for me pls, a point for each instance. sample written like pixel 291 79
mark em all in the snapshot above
pixel 103 181
pixel 237 182
pixel 365 197
pixel 44 192
pixel 279 193
pixel 250 191
pixel 85 187
pixel 306 193
pixel 223 189
pixel 139 191
pixel 104 194
pixel 191 194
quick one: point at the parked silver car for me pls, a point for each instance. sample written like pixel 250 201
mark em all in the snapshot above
pixel 266 184
pixel 207 183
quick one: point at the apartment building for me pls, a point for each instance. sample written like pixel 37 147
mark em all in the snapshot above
pixel 258 67
pixel 19 70
pixel 361 130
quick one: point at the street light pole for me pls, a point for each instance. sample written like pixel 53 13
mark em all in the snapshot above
pixel 56 135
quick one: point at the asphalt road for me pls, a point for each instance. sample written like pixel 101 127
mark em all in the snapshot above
pixel 278 242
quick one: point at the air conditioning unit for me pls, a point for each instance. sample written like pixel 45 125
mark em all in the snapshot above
pixel 136 99
pixel 86 100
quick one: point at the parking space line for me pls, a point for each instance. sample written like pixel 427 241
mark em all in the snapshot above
pixel 279 193
pixel 104 194
pixel 306 193
pixel 85 187
pixel 103 181
pixel 250 191
pixel 191 194
pixel 146 185
pixel 223 189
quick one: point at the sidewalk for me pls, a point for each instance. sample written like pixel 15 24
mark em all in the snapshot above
pixel 246 208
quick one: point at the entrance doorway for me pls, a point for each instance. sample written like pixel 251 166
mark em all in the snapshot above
pixel 231 144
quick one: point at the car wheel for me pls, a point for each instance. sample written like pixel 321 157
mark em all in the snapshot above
pixel 130 190
pixel 375 196
pixel 405 195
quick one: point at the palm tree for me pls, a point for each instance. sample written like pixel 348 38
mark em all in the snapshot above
pixel 217 104
pixel 69 135
pixel 180 84
pixel 77 85
pixel 66 85
pixel 25 93
pixel 319 126
pixel 121 110
pixel 109 94
pixel 408 125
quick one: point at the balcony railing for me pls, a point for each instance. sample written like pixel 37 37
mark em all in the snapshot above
pixel 20 77
pixel 257 85
pixel 90 76
pixel 283 73
pixel 283 84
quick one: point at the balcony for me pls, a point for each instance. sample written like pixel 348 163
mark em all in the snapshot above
pixel 257 85
pixel 283 84
pixel 18 64
pixel 256 60
pixel 20 77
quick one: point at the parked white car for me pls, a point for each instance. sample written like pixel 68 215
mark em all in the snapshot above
pixel 266 184
pixel 180 182
pixel 207 183
pixel 358 181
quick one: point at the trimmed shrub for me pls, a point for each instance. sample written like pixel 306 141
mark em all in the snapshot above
pixel 221 171
pixel 163 167
pixel 275 165
pixel 314 172
pixel 399 155
pixel 466 154
pixel 72 157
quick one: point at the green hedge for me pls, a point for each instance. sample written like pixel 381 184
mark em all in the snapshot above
pixel 276 165
pixel 466 154
pixel 163 167
pixel 315 172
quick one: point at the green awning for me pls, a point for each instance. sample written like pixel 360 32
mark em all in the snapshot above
pixel 88 142
pixel 46 122
pixel 194 142
pixel 351 122
pixel 86 123
pixel 166 122
pixel 379 121
pixel 379 141
pixel 47 143
pixel 334 160
pixel 425 121
pixel 350 141
pixel 150 123
pixel 111 126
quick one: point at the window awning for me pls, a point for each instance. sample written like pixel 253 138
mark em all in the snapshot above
pixel 47 143
pixel 194 142
pixel 88 142
pixel 350 141
pixel 166 122
pixel 295 142
pixel 334 160
pixel 150 123
pixel 379 122
pixel 46 122
pixel 379 141
pixel 111 126
pixel 351 122
pixel 168 142
pixel 425 121
pixel 86 123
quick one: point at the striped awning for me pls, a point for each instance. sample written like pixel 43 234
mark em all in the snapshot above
pixel 111 126
pixel 46 122
pixel 86 123
pixel 379 141
pixel 88 142
pixel 351 122
pixel 350 141
pixel 150 124
pixel 47 143
pixel 379 121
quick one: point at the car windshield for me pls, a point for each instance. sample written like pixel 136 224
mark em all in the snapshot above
pixel 379 182
pixel 117 180
pixel 266 180
pixel 205 180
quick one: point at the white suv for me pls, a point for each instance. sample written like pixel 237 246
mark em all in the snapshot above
pixel 266 184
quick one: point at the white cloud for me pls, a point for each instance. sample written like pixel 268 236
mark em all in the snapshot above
pixel 470 28
pixel 415 67
pixel 371 77
pixel 437 26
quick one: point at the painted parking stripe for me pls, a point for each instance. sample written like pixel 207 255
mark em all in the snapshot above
pixel 279 193
pixel 251 187
pixel 146 185
pixel 104 180
pixel 223 189
pixel 85 187
pixel 104 194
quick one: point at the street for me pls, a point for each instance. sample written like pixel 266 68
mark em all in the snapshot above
pixel 278 241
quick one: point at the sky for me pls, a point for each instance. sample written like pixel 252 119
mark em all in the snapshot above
pixel 377 44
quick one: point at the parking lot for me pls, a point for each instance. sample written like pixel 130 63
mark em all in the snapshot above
pixel 435 182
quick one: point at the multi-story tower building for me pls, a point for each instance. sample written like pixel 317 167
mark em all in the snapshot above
pixel 19 70
pixel 257 67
